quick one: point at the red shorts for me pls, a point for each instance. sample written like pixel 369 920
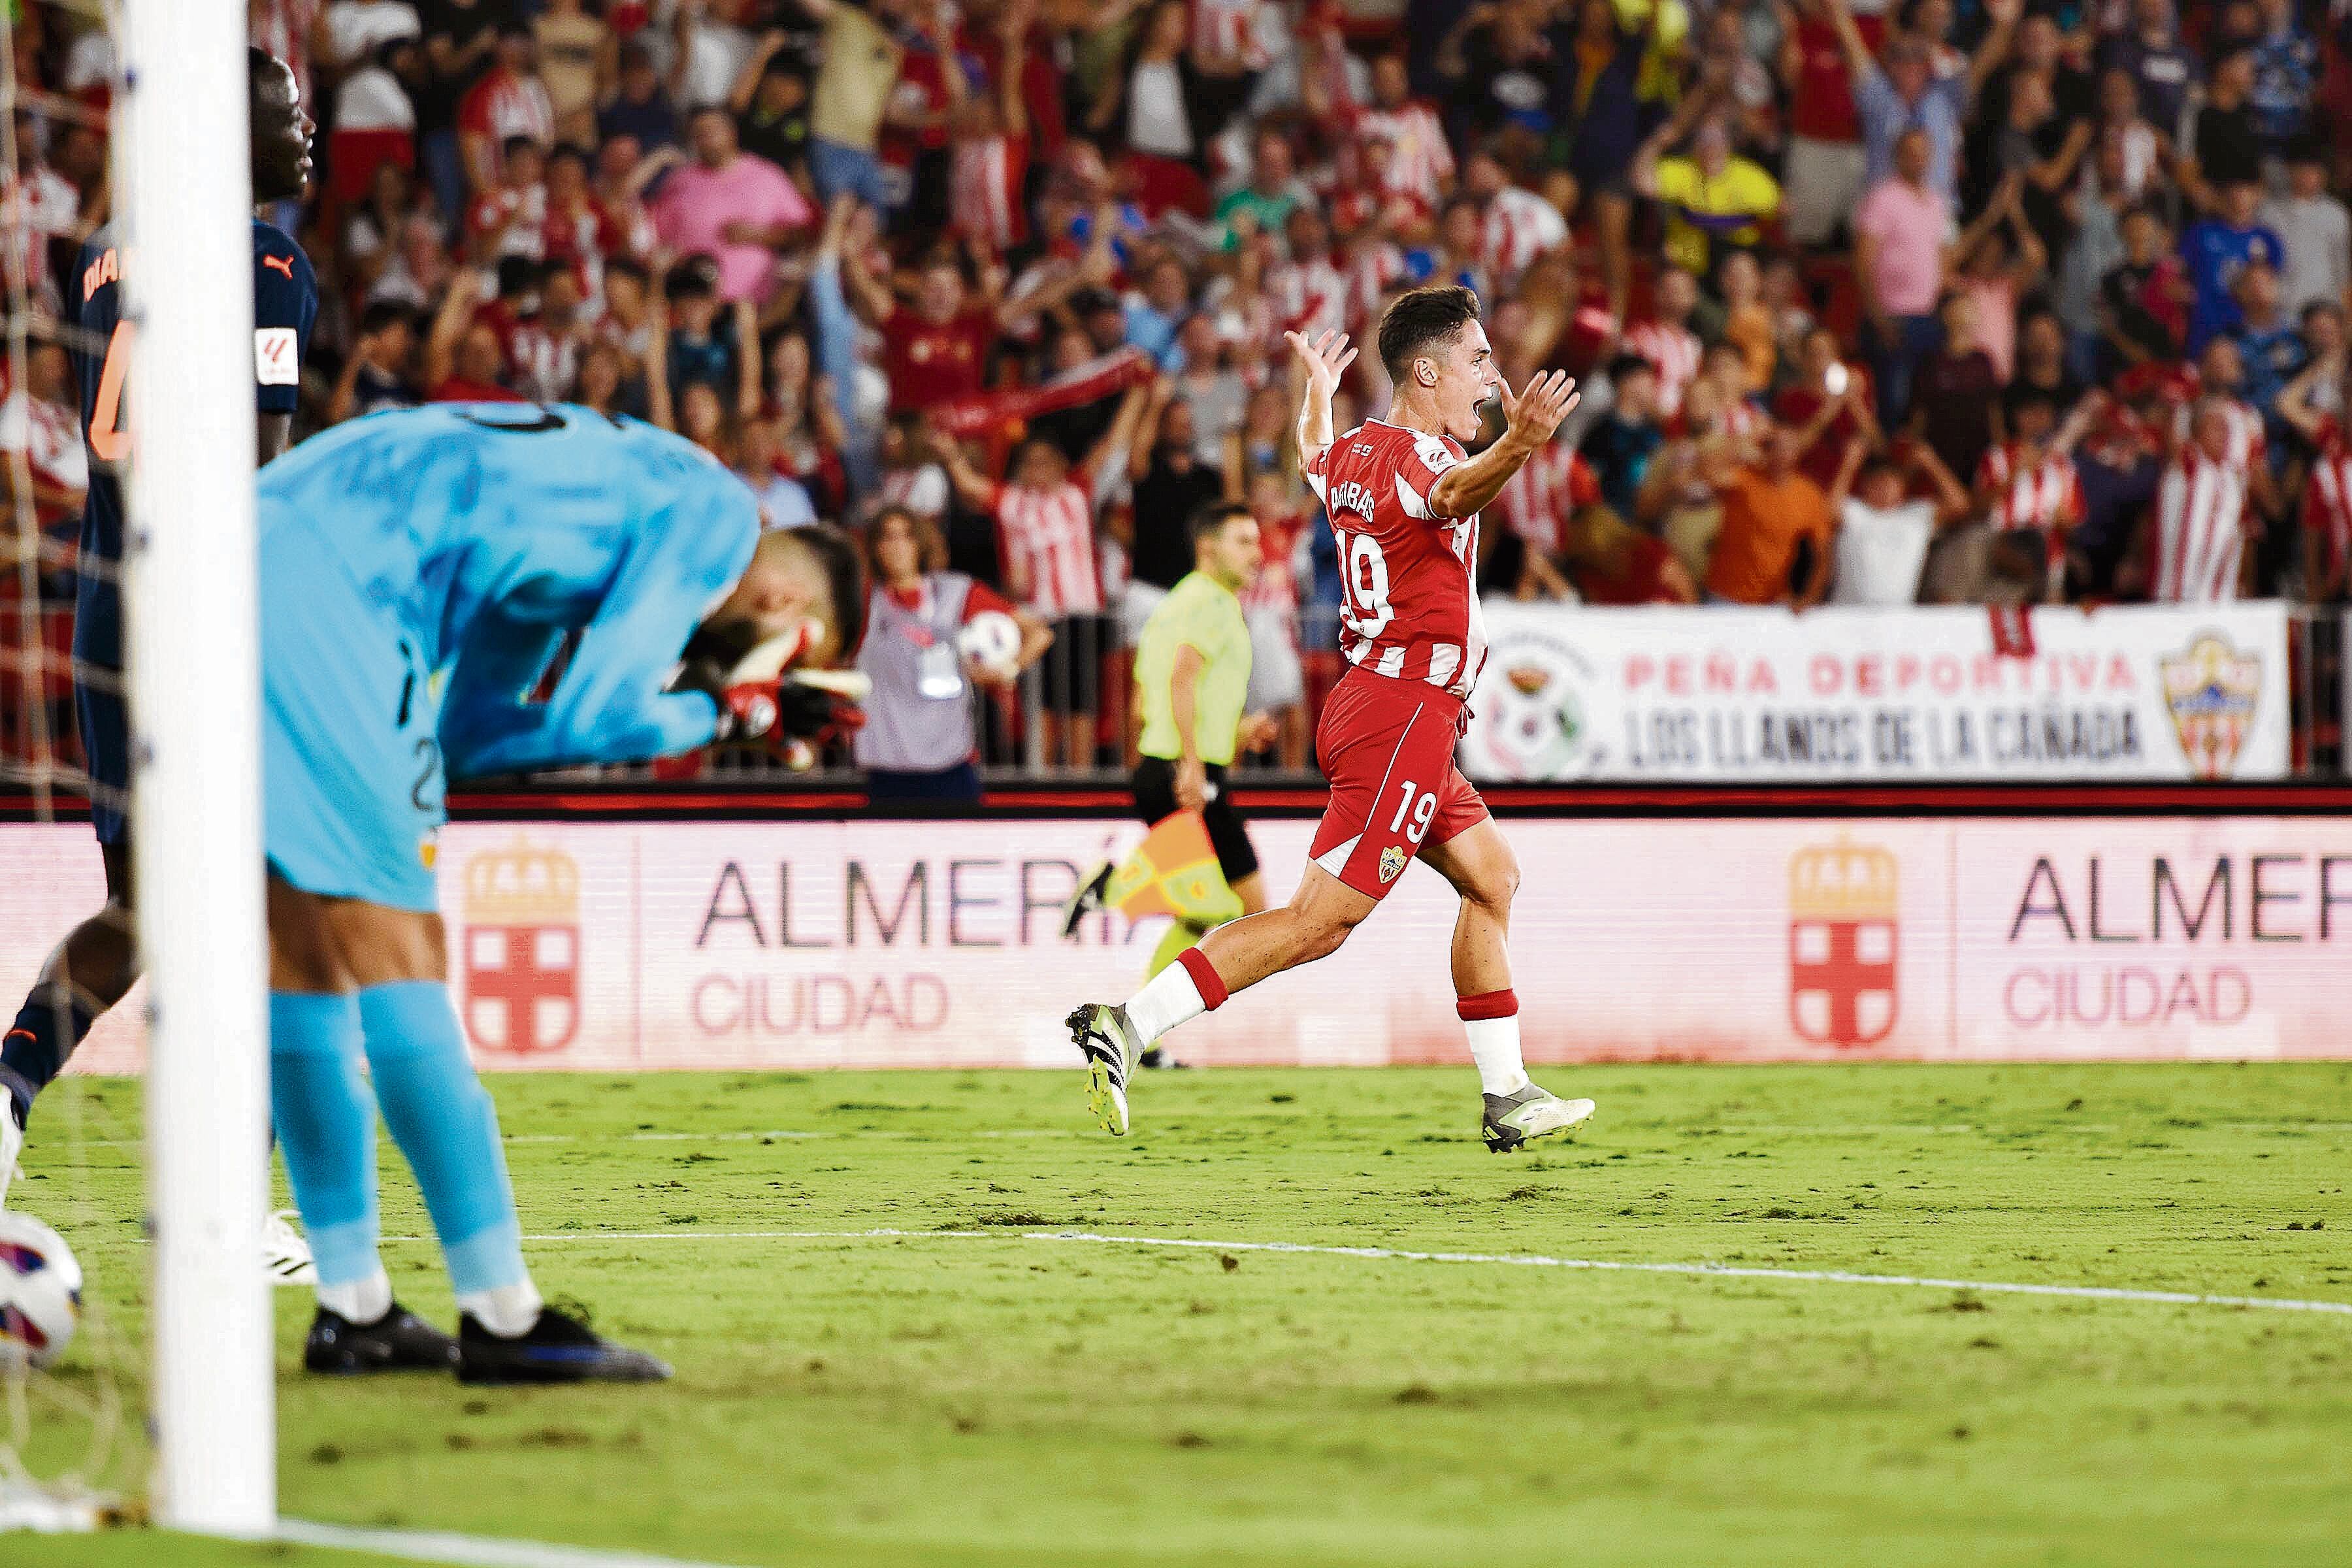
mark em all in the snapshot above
pixel 1387 746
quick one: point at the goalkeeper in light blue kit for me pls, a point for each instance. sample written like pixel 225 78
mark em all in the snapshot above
pixel 421 571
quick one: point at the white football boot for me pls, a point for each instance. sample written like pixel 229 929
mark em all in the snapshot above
pixel 1516 1120
pixel 285 1255
pixel 1108 1042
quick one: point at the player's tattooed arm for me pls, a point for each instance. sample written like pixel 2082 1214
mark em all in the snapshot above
pixel 1530 419
pixel 1325 359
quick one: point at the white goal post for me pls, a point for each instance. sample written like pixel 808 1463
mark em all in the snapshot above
pixel 184 208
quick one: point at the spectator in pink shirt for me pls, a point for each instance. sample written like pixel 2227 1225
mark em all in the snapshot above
pixel 1899 233
pixel 730 203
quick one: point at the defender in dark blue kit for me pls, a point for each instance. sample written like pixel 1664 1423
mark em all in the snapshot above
pixel 96 964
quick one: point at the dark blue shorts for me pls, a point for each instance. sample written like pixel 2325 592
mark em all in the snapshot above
pixel 106 751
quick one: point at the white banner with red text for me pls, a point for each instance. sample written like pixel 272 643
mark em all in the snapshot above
pixel 632 946
pixel 2146 691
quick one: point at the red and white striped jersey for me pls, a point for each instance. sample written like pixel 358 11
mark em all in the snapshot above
pixel 1422 160
pixel 34 211
pixel 2040 494
pixel 2327 499
pixel 1231 29
pixel 522 212
pixel 1276 586
pixel 1410 608
pixel 546 364
pixel 1309 296
pixel 1371 271
pixel 2246 447
pixel 1674 353
pixel 284 27
pixel 2200 523
pixel 1556 485
pixel 984 180
pixel 1048 536
pixel 1520 227
pixel 49 437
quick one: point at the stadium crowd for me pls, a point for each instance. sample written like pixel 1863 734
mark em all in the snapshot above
pixel 1873 301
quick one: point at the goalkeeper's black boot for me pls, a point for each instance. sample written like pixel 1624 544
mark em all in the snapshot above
pixel 400 1340
pixel 557 1349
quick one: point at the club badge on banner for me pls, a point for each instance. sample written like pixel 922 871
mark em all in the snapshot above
pixel 1931 693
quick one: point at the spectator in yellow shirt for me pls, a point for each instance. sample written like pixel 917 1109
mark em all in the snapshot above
pixel 1712 198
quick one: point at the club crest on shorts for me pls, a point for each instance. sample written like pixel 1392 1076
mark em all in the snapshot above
pixel 1391 862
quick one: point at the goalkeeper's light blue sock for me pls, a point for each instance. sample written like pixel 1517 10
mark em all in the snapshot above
pixel 325 1121
pixel 443 1119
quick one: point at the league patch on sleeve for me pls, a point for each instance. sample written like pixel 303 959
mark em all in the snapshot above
pixel 277 361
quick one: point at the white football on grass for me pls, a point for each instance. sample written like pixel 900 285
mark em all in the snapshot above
pixel 40 1291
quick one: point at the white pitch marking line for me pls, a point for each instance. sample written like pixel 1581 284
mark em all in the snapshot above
pixel 1515 1260
pixel 468 1551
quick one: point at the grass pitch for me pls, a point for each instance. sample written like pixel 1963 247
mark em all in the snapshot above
pixel 1003 1400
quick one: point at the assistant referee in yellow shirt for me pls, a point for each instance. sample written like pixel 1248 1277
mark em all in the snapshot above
pixel 1192 684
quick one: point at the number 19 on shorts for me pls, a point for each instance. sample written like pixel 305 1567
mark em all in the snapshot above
pixel 1417 804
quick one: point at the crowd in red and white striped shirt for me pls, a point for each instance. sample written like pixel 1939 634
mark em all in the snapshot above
pixel 1520 227
pixel 1420 163
pixel 2327 501
pixel 2248 444
pixel 1310 295
pixel 1674 353
pixel 985 177
pixel 1047 536
pixel 1231 30
pixel 1276 586
pixel 1556 484
pixel 2032 488
pixel 2201 523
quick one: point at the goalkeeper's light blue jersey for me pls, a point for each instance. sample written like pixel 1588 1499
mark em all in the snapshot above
pixel 489 531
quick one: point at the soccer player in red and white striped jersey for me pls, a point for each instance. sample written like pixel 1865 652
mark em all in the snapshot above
pixel 1403 501
pixel 2202 515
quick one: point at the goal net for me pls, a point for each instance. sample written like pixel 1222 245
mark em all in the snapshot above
pixel 131 116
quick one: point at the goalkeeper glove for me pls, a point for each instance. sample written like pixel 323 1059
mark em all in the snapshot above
pixel 784 710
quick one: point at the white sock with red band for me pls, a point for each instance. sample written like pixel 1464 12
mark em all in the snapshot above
pixel 1491 1018
pixel 1177 994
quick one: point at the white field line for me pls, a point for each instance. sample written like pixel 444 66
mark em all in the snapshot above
pixel 1512 1260
pixel 466 1551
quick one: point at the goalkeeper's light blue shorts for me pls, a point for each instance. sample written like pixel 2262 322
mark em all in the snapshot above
pixel 351 767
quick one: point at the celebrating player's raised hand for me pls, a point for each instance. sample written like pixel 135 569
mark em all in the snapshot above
pixel 1532 415
pixel 1326 358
